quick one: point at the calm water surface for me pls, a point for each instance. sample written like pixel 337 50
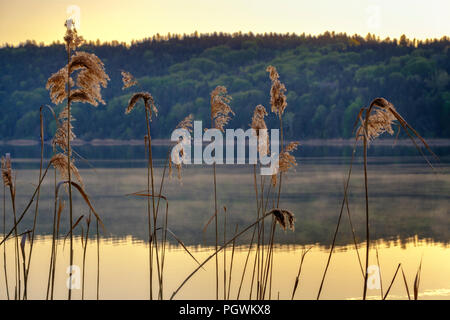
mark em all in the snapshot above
pixel 409 212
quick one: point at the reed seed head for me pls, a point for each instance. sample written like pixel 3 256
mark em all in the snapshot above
pixel 60 163
pixel 380 120
pixel 284 217
pixel 89 80
pixel 179 151
pixel 57 83
pixel 60 137
pixel 71 38
pixel 186 123
pixel 286 161
pixel 7 173
pixel 277 92
pixel 127 79
pixel 259 124
pixel 148 102
pixel 220 108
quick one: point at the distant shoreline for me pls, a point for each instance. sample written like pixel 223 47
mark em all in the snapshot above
pixel 167 142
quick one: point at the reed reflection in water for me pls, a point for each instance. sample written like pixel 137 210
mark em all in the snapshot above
pixel 124 271
pixel 410 220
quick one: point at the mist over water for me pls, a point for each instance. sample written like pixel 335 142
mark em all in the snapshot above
pixel 409 205
pixel 407 197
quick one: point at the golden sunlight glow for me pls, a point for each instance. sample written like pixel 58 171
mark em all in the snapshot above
pixel 107 20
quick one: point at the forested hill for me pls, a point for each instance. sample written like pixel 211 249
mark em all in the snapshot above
pixel 328 78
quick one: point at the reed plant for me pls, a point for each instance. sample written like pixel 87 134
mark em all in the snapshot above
pixel 286 161
pixel 284 218
pixel 80 80
pixel 220 115
pixel 36 210
pixel 9 182
pixel 90 77
pixel 4 247
pixel 84 243
pixel 150 108
pixel 376 119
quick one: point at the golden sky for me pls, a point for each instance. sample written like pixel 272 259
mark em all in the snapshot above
pixel 125 20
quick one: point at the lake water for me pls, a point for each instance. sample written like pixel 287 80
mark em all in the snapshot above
pixel 409 221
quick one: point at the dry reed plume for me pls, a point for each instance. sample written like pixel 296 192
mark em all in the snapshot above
pixel 277 92
pixel 7 173
pixel 186 124
pixel 220 108
pixel 258 124
pixel 374 120
pixel 287 160
pixel 285 218
pixel 90 75
pixel 150 108
pixel 127 79
pixel 220 111
pixel 90 78
pixel 148 102
pixel 71 38
pixel 59 161
pixel 379 121
pixel 60 138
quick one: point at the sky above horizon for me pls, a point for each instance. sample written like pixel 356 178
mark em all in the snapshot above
pixel 107 20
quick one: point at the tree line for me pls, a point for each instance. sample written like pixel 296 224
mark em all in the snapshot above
pixel 328 78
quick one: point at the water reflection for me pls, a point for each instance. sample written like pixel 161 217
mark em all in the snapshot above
pixel 406 199
pixel 409 206
pixel 124 271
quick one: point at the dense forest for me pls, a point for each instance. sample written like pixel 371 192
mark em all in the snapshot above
pixel 328 78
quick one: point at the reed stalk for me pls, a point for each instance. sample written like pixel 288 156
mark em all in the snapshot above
pixel 246 263
pixel 98 260
pixel 151 215
pixel 417 281
pixel 224 254
pixel 261 252
pixel 392 282
pixel 406 283
pixel 231 264
pixel 12 191
pixel 267 264
pixel 297 279
pixel 367 204
pixel 4 235
pixel 379 272
pixel 353 232
pixel 256 229
pixel 220 249
pixel 163 253
pixel 36 210
pixel 220 111
pixel 55 234
pixel 25 210
pixel 338 222
pixel 69 171
pixel 22 251
pixel 88 223
pixel 161 185
pixel 216 231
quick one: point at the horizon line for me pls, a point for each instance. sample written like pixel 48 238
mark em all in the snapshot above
pixel 169 36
